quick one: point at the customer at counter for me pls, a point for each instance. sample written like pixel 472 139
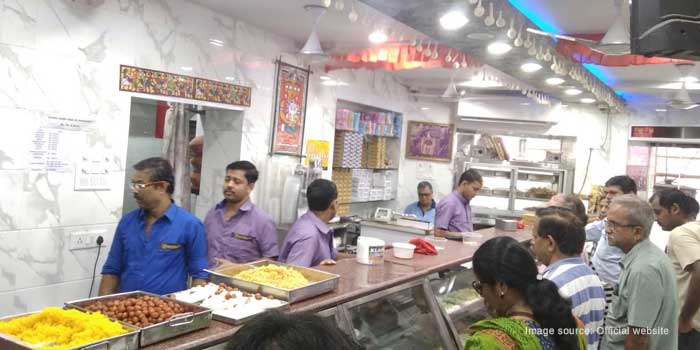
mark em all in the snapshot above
pixel 643 313
pixel 675 211
pixel 424 209
pixel 237 230
pixel 557 241
pixel 310 241
pixel 571 202
pixel 606 258
pixel 528 312
pixel 157 246
pixel 453 215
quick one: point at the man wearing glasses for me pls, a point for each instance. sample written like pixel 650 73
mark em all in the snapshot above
pixel 157 246
pixel 424 209
pixel 643 314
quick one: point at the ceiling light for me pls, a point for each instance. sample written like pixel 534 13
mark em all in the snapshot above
pixel 230 78
pixel 498 48
pixel 554 81
pixel 463 92
pixel 186 68
pixel 573 92
pixel 216 42
pixel 525 104
pixel 313 45
pixel 691 106
pixel 453 20
pixel 689 79
pixel 325 77
pixel 481 83
pixel 587 100
pixel 333 83
pixel 564 106
pixel 661 109
pixel 378 37
pixel 424 108
pixel 481 36
pixel 530 67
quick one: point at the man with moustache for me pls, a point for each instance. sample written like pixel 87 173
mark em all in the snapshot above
pixel 157 246
pixel 237 230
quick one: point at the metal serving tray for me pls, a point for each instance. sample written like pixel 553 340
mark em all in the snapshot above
pixel 126 341
pixel 320 282
pixel 196 317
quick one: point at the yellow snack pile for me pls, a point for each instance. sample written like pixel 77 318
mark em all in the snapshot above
pixel 274 275
pixel 58 329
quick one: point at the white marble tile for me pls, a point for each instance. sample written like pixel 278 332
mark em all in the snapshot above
pixel 35 299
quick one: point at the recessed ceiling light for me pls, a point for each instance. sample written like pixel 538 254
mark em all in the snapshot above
pixel 587 100
pixel 480 83
pixel 530 67
pixel 462 92
pixel 661 109
pixel 573 92
pixel 554 81
pixel 230 78
pixel 424 108
pixel 525 104
pixel 689 79
pixel 378 37
pixel 333 83
pixel 453 20
pixel 186 68
pixel 325 77
pixel 498 48
pixel 216 42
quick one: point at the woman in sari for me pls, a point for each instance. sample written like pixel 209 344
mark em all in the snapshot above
pixel 529 313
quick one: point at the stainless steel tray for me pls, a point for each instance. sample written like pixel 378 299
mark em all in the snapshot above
pixel 196 317
pixel 320 282
pixel 126 341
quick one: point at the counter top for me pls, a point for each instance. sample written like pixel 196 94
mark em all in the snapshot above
pixel 356 280
pixel 395 227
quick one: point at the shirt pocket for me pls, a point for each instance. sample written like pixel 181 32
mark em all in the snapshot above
pixel 170 253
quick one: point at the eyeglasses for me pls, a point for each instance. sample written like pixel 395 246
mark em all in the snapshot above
pixel 612 225
pixel 478 287
pixel 137 186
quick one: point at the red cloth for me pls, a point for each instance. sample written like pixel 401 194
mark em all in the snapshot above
pixel 423 247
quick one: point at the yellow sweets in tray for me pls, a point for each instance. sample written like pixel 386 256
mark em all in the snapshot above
pixel 56 329
pixel 274 275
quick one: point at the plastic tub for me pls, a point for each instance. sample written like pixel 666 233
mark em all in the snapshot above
pixel 471 238
pixel 404 250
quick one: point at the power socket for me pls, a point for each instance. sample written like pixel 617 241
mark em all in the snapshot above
pixel 83 240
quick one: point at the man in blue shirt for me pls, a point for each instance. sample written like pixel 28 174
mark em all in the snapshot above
pixel 155 247
pixel 424 209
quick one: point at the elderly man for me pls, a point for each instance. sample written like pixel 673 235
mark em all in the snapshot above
pixel 572 203
pixel 643 314
pixel 675 211
pixel 157 246
pixel 424 209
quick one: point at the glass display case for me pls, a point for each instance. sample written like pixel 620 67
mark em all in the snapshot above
pixel 460 304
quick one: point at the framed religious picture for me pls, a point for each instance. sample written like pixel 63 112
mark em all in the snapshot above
pixel 291 89
pixel 429 141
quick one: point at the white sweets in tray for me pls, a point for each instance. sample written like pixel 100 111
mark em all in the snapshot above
pixel 229 304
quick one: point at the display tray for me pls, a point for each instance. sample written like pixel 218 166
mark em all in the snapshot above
pixel 320 282
pixel 195 317
pixel 126 341
pixel 229 305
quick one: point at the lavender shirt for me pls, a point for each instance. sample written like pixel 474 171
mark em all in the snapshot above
pixel 308 242
pixel 454 214
pixel 248 235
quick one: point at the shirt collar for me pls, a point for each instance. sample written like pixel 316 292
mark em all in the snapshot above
pixel 247 206
pixel 417 205
pixel 460 197
pixel 572 260
pixel 169 213
pixel 320 225
pixel 638 249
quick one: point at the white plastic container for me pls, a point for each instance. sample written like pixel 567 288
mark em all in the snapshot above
pixel 370 251
pixel 404 250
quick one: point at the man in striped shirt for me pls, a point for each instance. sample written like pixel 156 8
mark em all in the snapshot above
pixel 558 237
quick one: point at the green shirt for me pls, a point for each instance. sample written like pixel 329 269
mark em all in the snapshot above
pixel 646 297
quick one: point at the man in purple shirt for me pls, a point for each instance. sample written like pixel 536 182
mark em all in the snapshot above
pixel 310 241
pixel 236 229
pixel 453 215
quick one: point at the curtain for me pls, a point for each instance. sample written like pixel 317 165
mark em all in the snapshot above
pixel 175 148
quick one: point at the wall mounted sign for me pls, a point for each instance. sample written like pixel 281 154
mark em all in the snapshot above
pixel 429 141
pixel 291 89
pixel 318 149
pixel 153 82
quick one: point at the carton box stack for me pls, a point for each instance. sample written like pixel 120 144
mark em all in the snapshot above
pixel 361 184
pixel 389 185
pixel 343 181
pixel 347 150
pixel 375 153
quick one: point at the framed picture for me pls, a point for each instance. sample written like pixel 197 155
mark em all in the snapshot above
pixel 291 89
pixel 429 141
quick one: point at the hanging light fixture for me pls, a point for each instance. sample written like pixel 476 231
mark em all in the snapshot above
pixel 313 45
pixel 451 93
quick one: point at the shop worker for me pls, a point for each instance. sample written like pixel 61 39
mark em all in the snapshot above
pixel 606 258
pixel 453 215
pixel 675 211
pixel 310 241
pixel 643 314
pixel 237 230
pixel 424 209
pixel 557 241
pixel 158 246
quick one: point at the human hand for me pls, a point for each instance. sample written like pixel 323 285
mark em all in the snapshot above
pixel 684 325
pixel 328 262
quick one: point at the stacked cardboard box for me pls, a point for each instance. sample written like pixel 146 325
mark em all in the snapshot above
pixel 343 181
pixel 361 184
pixel 375 153
pixel 347 150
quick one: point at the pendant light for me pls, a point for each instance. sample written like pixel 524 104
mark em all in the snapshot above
pixel 313 45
